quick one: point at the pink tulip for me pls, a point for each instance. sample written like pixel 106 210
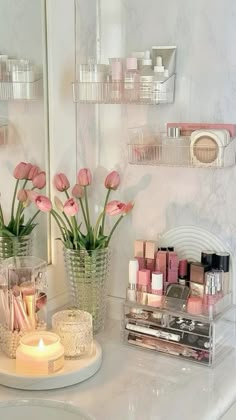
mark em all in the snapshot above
pixel 115 207
pixel 21 170
pixel 39 181
pixel 22 195
pixel 34 170
pixel 112 180
pixel 128 207
pixel 70 207
pixel 32 195
pixel 43 203
pixel 77 191
pixel 61 182
pixel 84 177
pixel 58 204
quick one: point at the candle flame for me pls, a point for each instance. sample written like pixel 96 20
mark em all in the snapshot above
pixel 41 344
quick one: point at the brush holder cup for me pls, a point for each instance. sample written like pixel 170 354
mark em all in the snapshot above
pixel 23 299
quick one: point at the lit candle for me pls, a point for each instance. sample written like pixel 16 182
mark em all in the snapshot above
pixel 39 353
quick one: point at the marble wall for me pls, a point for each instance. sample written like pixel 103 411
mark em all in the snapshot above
pixel 22 36
pixel 165 197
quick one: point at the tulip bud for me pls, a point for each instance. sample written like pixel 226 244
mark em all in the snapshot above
pixel 71 207
pixel 43 203
pixel 61 182
pixel 112 180
pixel 58 204
pixel 21 170
pixel 22 195
pixel 77 191
pixel 84 177
pixel 34 170
pixel 39 181
pixel 115 207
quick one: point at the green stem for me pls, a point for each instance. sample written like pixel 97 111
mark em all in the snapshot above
pixel 55 216
pixel 67 194
pixel 1 216
pixel 96 227
pixel 14 198
pixel 113 229
pixel 86 205
pixel 67 219
pixel 19 210
pixel 75 232
pixel 83 211
pixel 104 212
pixel 28 223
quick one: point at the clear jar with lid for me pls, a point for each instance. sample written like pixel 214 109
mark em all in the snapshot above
pixel 75 330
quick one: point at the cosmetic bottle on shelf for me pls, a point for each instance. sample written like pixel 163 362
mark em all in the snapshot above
pixel 146 79
pixel 131 80
pixel 183 265
pixel 117 85
pixel 143 286
pixel 221 262
pixel 150 255
pixel 175 148
pixel 133 278
pixel 139 253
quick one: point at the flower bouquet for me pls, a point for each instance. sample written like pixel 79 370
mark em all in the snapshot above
pixel 15 238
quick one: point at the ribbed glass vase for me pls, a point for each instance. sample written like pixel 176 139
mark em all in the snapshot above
pixel 20 246
pixel 87 272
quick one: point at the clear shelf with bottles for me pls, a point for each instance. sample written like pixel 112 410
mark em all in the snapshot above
pixel 124 93
pixel 181 152
pixel 170 329
pixel 21 90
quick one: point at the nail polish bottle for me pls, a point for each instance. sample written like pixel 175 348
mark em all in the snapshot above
pixel 221 262
pixel 183 265
pixel 133 279
pixel 139 253
pixel 150 255
pixel 157 283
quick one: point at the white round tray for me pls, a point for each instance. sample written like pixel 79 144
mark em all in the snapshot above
pixel 74 371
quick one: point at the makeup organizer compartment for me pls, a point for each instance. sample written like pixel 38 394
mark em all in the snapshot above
pixel 169 330
pixel 145 77
pixel 23 299
pixel 206 148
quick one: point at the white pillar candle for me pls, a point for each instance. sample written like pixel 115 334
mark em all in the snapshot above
pixel 39 353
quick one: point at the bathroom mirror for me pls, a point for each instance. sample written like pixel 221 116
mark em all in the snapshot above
pixel 23 103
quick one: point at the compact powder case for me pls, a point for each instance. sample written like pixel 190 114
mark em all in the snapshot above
pixel 207 147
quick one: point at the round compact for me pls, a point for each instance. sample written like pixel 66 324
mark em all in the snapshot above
pixel 207 147
pixel 75 329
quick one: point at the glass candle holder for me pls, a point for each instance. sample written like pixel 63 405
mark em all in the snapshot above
pixel 75 329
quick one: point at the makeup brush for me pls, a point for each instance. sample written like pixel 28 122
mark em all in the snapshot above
pixel 28 291
pixel 20 310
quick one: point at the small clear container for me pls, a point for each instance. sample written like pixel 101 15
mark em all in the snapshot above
pixel 75 329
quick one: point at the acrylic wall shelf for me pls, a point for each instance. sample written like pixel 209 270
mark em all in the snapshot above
pixel 178 152
pixel 202 339
pixel 20 90
pixel 117 93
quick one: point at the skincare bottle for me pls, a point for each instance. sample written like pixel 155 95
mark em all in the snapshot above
pixel 175 148
pixel 161 263
pixel 158 79
pixel 146 79
pixel 117 82
pixel 183 264
pixel 131 80
pixel 157 283
pixel 133 278
pixel 172 269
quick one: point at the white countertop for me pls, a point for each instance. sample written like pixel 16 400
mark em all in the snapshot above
pixel 133 384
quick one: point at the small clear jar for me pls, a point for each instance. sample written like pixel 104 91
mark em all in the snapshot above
pixel 75 329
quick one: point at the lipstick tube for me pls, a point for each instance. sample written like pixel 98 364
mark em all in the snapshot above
pixel 143 285
pixel 161 263
pixel 139 253
pixel 172 270
pixel 157 283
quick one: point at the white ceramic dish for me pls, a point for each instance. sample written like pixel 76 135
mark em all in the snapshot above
pixel 74 371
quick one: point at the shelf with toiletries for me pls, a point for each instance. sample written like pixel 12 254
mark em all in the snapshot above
pixel 187 145
pixel 143 78
pixel 20 79
pixel 180 307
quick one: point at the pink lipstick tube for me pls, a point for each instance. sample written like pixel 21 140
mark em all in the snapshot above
pixel 139 253
pixel 161 263
pixel 143 286
pixel 172 271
